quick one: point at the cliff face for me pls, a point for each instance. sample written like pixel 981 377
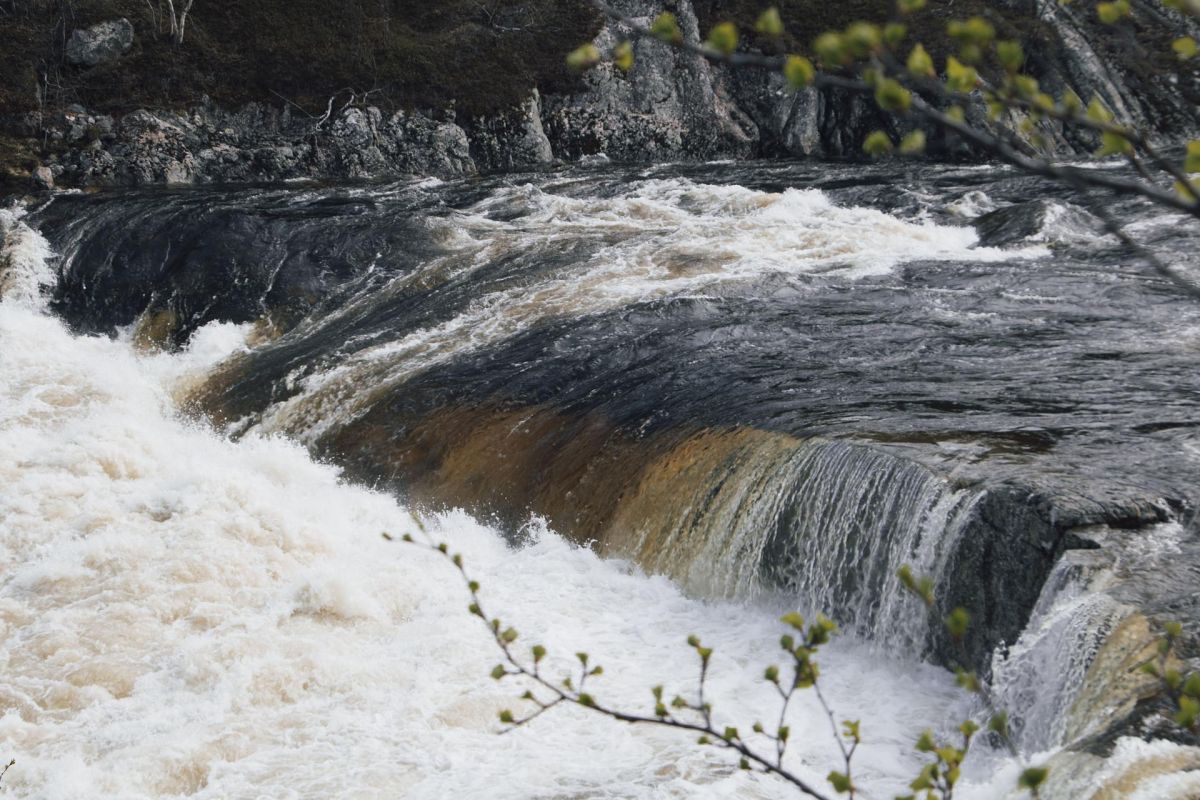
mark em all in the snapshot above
pixel 671 106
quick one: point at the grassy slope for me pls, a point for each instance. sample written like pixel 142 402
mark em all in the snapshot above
pixel 414 52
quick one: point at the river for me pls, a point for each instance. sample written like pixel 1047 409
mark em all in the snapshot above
pixel 643 402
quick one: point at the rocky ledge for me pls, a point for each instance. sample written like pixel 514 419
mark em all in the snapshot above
pixel 670 106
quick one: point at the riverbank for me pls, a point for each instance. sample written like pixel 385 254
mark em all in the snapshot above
pixel 276 91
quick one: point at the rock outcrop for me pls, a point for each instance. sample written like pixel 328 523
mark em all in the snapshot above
pixel 670 106
pixel 256 143
pixel 99 44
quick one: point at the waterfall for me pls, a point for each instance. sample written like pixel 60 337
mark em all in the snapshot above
pixel 25 260
pixel 827 522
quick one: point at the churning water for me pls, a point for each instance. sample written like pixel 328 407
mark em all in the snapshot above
pixel 662 368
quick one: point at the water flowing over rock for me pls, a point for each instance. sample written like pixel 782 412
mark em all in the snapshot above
pixel 770 383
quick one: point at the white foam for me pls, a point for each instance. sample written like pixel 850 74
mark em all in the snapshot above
pixel 183 615
pixel 25 255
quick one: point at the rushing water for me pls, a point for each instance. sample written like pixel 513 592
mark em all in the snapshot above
pixel 749 387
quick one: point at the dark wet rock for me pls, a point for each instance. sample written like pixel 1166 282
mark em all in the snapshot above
pixel 1010 542
pixel 511 141
pixel 186 264
pixel 1011 224
pixel 261 143
pixel 671 105
pixel 1037 221
pixel 100 44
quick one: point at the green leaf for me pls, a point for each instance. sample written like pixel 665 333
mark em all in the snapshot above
pixel 539 653
pixel 920 64
pixel 999 723
pixel 769 23
pixel 863 38
pixel 1071 104
pixel 1191 163
pixel 506 717
pixel 1024 85
pixel 830 48
pixel 894 33
pixel 583 58
pixel 498 672
pixel 1185 47
pixel 666 28
pixel 723 38
pixel 1189 712
pixel 799 72
pixel 909 6
pixel 1098 112
pixel 957 622
pixel 1010 54
pixel 1111 13
pixel 913 144
pixel 794 619
pixel 975 31
pixel 623 56
pixel 950 755
pixel 1033 777
pixel 959 76
pixel 1112 144
pixel 840 782
pixel 925 743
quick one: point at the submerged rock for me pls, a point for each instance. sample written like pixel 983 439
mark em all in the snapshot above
pixel 1037 221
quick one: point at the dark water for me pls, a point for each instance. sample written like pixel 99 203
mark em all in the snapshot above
pixel 765 377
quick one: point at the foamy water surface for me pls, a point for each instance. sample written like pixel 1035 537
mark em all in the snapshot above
pixel 181 615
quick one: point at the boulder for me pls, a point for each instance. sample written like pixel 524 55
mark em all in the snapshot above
pixel 100 44
pixel 43 178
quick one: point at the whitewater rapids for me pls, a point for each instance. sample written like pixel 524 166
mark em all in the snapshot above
pixel 181 615
pixel 185 615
